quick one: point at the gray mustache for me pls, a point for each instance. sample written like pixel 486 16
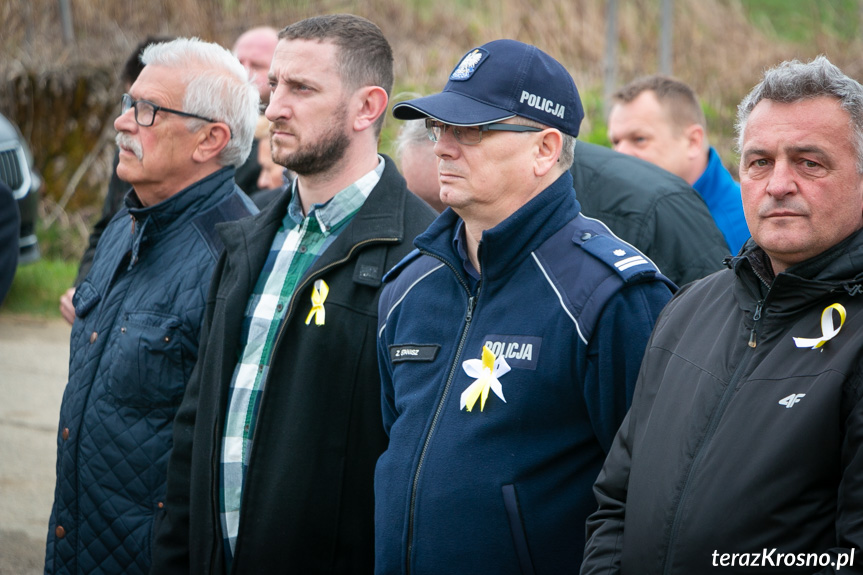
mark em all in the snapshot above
pixel 131 144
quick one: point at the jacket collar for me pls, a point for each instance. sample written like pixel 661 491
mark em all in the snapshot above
pixel 183 205
pixel 380 217
pixel 503 247
pixel 150 223
pixel 839 268
pixel 715 179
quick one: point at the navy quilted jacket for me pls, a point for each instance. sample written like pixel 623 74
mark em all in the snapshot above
pixel 133 346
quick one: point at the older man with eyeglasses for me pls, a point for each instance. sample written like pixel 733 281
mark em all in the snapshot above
pixel 186 124
pixel 510 341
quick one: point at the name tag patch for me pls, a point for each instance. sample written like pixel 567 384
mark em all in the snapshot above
pixel 520 351
pixel 413 352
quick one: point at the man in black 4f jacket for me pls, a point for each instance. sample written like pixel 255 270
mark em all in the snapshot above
pixel 743 449
pixel 276 440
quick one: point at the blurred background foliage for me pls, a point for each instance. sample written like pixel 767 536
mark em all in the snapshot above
pixel 65 94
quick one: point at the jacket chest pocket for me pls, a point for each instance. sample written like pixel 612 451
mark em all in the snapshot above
pixel 147 367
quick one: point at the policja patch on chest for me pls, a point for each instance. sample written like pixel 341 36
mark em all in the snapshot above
pixel 520 351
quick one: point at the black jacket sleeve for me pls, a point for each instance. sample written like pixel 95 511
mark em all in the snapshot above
pixel 171 530
pixel 604 532
pixel 604 528
pixel 10 229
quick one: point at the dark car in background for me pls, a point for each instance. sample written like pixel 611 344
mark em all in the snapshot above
pixel 16 171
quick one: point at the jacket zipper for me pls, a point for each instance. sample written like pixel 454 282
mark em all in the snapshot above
pixel 471 304
pixel 297 290
pixel 727 395
pixel 756 317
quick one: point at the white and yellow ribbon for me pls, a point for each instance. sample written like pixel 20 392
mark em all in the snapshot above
pixel 828 332
pixel 487 371
pixel 319 296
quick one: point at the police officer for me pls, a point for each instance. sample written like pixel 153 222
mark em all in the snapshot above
pixel 509 343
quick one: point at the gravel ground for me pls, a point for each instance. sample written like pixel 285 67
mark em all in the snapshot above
pixel 34 359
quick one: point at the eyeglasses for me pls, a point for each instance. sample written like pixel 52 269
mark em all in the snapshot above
pixel 472 135
pixel 145 111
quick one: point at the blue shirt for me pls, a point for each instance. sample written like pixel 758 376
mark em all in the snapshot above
pixel 721 193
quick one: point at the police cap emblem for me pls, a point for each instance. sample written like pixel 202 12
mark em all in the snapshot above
pixel 468 65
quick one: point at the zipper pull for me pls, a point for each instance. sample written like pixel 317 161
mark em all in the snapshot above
pixel 131 217
pixel 470 304
pixel 755 318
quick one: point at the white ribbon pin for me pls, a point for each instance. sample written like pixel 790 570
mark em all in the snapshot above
pixel 828 332
pixel 487 371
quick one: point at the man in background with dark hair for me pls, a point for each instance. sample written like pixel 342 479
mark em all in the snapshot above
pixel 659 119
pixel 277 437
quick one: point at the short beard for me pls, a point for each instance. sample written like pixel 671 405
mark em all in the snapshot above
pixel 319 156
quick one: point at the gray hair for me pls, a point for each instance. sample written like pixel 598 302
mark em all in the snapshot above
pixel 567 148
pixel 217 86
pixel 567 152
pixel 411 133
pixel 792 81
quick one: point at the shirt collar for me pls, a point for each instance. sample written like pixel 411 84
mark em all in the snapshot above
pixel 341 206
pixel 459 242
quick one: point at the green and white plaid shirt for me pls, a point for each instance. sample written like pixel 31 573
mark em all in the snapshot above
pixel 296 246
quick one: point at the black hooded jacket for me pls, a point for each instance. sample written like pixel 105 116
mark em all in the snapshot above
pixel 741 439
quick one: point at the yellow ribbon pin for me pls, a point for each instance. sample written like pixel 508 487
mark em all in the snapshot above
pixel 828 332
pixel 487 371
pixel 319 296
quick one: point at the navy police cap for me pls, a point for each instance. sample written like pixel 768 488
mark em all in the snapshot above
pixel 499 80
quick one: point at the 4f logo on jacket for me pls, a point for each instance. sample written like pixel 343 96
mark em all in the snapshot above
pixel 789 401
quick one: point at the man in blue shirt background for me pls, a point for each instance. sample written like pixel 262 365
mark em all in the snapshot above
pixel 659 119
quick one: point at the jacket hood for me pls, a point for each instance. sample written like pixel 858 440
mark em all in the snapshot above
pixel 842 263
pixel 838 269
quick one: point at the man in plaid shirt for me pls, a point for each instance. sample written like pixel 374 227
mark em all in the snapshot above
pixel 277 437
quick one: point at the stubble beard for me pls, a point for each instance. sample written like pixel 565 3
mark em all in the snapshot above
pixel 319 156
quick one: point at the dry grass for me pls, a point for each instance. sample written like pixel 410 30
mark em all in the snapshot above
pixel 715 49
